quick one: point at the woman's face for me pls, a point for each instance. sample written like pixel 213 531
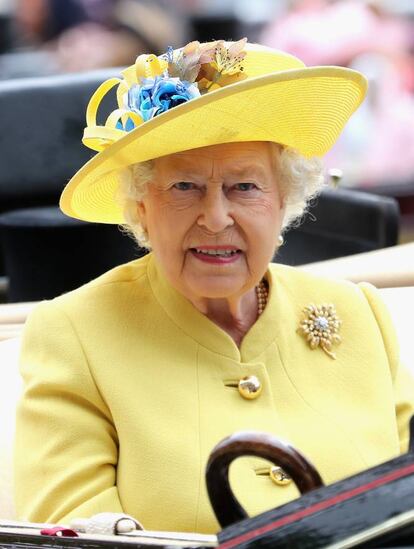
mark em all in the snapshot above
pixel 213 216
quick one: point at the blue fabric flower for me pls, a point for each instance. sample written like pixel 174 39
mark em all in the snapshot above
pixel 160 94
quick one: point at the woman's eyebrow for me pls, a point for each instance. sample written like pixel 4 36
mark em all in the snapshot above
pixel 185 174
pixel 247 171
pixel 184 166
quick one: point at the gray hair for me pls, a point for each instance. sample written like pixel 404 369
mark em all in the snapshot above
pixel 300 180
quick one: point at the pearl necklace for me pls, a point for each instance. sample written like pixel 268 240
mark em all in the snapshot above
pixel 262 295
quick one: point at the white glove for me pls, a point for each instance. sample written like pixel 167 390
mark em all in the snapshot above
pixel 106 524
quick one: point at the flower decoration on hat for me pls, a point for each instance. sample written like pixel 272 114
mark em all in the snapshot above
pixel 226 66
pixel 154 85
pixel 155 96
pixel 321 327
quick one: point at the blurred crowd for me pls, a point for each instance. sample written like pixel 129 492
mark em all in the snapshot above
pixel 41 37
pixel 50 36
pixel 377 39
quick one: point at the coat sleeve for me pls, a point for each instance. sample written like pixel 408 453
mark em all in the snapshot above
pixel 66 445
pixel 403 379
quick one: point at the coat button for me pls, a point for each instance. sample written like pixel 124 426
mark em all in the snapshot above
pixel 250 387
pixel 279 476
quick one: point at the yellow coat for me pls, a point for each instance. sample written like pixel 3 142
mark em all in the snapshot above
pixel 125 397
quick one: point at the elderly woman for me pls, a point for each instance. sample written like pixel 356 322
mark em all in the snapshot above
pixel 132 379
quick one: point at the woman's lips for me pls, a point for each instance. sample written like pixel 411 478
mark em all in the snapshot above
pixel 218 255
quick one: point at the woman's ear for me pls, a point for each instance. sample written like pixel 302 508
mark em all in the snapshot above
pixel 142 213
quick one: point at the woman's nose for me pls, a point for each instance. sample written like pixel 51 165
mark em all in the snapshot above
pixel 216 212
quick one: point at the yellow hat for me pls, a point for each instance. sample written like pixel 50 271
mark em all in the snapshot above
pixel 206 94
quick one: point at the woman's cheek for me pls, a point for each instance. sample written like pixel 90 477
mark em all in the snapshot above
pixel 262 202
pixel 179 202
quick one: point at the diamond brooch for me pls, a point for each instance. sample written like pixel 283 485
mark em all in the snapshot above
pixel 320 327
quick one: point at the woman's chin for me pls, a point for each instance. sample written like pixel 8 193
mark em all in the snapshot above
pixel 216 287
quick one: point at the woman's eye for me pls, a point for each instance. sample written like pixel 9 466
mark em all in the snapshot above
pixel 184 186
pixel 245 186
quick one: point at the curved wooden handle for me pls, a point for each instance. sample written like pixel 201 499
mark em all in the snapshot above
pixel 225 505
pixel 411 441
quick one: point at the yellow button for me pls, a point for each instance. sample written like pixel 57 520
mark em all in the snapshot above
pixel 279 476
pixel 250 387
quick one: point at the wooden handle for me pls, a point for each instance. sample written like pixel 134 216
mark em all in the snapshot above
pixel 411 442
pixel 225 505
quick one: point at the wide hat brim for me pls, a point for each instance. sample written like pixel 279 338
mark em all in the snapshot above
pixel 305 108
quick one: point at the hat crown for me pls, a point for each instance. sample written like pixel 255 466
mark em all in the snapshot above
pixel 153 85
pixel 261 60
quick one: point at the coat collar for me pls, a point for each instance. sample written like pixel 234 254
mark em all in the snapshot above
pixel 201 329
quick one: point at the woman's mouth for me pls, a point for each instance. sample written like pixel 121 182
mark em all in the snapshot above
pixel 219 255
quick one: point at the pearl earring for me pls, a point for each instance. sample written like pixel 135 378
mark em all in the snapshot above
pixel 281 240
